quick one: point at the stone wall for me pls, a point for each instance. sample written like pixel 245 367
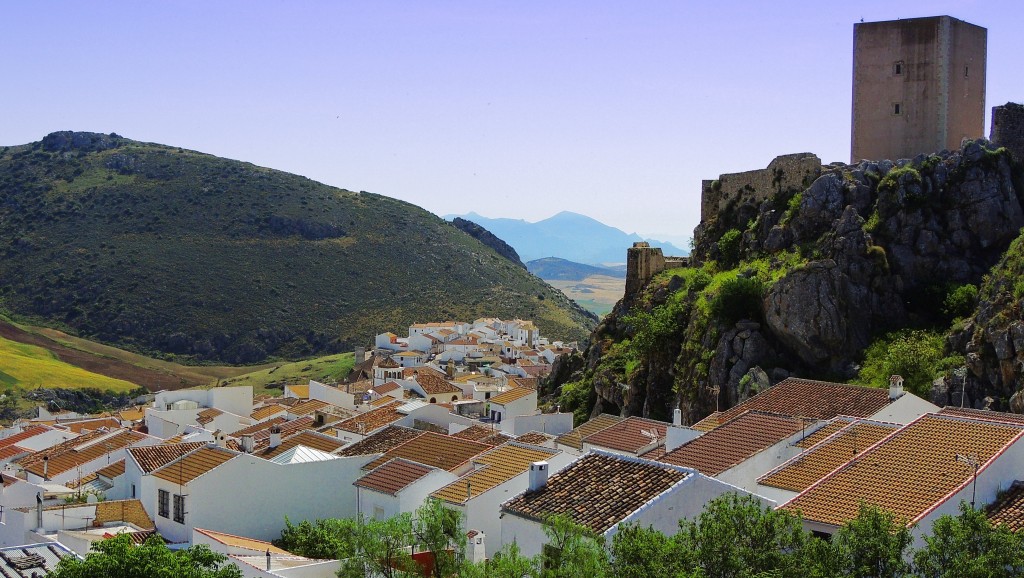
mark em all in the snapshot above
pixel 644 262
pixel 787 172
pixel 1008 128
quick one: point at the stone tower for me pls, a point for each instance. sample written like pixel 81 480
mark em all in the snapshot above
pixel 918 86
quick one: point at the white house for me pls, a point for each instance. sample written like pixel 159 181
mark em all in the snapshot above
pixel 398 486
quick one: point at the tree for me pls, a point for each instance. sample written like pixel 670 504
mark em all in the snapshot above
pixel 326 539
pixel 736 536
pixel 872 545
pixel 508 562
pixel 382 549
pixel 969 546
pixel 645 553
pixel 439 530
pixel 572 550
pixel 119 557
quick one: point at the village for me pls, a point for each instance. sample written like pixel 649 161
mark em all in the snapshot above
pixel 450 412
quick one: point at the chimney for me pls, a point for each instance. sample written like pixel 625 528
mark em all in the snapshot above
pixel 247 443
pixel 538 476
pixel 39 511
pixel 677 417
pixel 268 559
pixel 46 467
pixel 360 355
pixel 895 387
pixel 275 436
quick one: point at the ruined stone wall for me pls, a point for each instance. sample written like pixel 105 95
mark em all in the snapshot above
pixel 643 262
pixel 787 172
pixel 1008 128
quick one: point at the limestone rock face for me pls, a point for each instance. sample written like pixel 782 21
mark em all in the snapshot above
pixel 869 241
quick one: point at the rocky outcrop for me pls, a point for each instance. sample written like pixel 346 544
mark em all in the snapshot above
pixel 488 238
pixel 67 140
pixel 859 251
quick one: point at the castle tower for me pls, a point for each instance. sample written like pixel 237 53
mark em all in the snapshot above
pixel 918 86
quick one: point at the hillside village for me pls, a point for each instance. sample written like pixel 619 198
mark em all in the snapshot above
pixel 450 412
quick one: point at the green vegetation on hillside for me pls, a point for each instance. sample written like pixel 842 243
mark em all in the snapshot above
pixel 177 253
pixel 25 366
pixel 332 368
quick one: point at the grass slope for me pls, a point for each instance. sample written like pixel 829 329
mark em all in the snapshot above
pixel 323 369
pixel 162 250
pixel 24 366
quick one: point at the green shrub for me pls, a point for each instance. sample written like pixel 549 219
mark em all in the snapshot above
pixel 918 356
pixel 729 246
pixel 960 301
pixel 893 178
pixel 738 298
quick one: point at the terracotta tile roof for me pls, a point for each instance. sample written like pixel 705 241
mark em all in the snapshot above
pixel 372 420
pixel 242 542
pixel 797 474
pixel 130 511
pixel 112 471
pixel 1008 509
pixel 983 414
pixel 84 425
pixel 257 427
pixel 510 395
pixel 526 382
pixel 8 452
pixel 435 450
pixel 574 438
pixel 288 428
pixel 834 425
pixel 654 454
pixel 73 484
pixel 134 414
pixel 497 466
pixel 207 415
pixel 813 399
pixel 193 465
pixel 387 387
pixel 307 407
pixel 380 442
pixel 435 385
pixel 24 435
pixel 733 442
pixel 909 472
pixel 266 411
pixel 393 476
pixel 535 438
pixel 476 433
pixel 633 435
pixel 597 490
pixel 150 458
pixel 317 441
pixel 85 448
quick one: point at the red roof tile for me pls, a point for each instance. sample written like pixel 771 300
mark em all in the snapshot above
pixel 733 442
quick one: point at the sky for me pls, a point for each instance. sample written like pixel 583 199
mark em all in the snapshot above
pixel 517 109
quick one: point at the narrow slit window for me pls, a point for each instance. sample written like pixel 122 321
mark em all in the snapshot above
pixel 897 108
pixel 897 68
pixel 966 68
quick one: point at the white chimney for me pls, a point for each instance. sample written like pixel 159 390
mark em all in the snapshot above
pixel 247 443
pixel 895 387
pixel 275 436
pixel 476 551
pixel 677 417
pixel 538 476
pixel 46 467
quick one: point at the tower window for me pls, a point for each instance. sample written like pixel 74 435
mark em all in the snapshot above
pixel 965 71
pixel 897 68
pixel 897 108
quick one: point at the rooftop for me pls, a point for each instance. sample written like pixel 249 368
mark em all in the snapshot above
pixel 1008 509
pixel 242 542
pixel 909 472
pixel 598 490
pixel 497 466
pixel 193 465
pixel 150 458
pixel 372 420
pixel 510 395
pixel 574 438
pixel 434 449
pixel 307 407
pixel 797 474
pixel 78 451
pixel 393 476
pixel 380 442
pixel 733 442
pixel 310 439
pixel 633 435
pixel 813 399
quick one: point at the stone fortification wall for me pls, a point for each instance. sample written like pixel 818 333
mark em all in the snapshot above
pixel 795 171
pixel 644 262
pixel 1008 128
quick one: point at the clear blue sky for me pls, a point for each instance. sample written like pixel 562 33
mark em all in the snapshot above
pixel 511 109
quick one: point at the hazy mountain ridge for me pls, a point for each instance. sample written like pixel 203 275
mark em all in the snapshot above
pixel 566 235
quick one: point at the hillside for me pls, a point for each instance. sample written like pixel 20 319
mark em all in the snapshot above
pixel 837 272
pixel 567 235
pixel 170 251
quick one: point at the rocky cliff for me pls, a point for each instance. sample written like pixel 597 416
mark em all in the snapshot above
pixel 800 274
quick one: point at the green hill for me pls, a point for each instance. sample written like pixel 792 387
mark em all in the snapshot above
pixel 169 251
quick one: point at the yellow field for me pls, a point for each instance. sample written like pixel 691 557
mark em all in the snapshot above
pixel 597 293
pixel 27 367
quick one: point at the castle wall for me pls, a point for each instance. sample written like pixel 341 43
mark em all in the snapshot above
pixel 643 262
pixel 1008 128
pixel 787 172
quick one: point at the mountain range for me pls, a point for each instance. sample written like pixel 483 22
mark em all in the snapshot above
pixel 567 235
pixel 176 253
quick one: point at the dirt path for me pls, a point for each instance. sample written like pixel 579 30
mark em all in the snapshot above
pixel 148 378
